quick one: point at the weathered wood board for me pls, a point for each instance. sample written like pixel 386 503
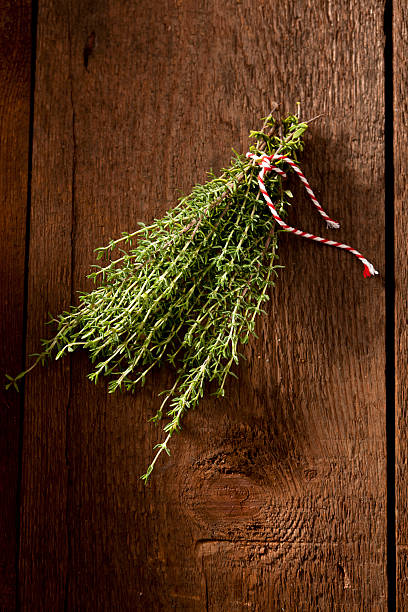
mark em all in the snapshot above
pixel 274 497
pixel 15 58
pixel 400 107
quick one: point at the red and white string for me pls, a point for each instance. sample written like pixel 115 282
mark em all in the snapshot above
pixel 266 162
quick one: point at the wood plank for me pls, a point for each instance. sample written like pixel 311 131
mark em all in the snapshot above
pixel 274 498
pixel 15 59
pixel 44 538
pixel 400 74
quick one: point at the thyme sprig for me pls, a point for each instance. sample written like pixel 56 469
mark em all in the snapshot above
pixel 186 289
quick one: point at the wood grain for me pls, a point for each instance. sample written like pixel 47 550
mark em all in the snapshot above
pixel 401 311
pixel 274 498
pixel 15 58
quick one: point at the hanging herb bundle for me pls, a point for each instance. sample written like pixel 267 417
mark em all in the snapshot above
pixel 188 288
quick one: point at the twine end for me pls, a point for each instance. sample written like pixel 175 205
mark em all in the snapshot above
pixel 369 270
pixel 333 224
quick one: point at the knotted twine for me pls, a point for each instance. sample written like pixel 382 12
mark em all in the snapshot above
pixel 266 162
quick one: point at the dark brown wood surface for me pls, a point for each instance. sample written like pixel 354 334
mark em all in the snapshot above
pixel 401 310
pixel 15 56
pixel 274 497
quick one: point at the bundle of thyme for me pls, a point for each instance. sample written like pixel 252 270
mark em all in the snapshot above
pixel 187 288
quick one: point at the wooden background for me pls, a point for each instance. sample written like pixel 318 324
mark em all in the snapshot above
pixel 275 498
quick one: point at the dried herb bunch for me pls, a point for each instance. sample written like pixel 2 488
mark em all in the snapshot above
pixel 187 288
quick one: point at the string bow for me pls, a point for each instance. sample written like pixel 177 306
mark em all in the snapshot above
pixel 266 162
